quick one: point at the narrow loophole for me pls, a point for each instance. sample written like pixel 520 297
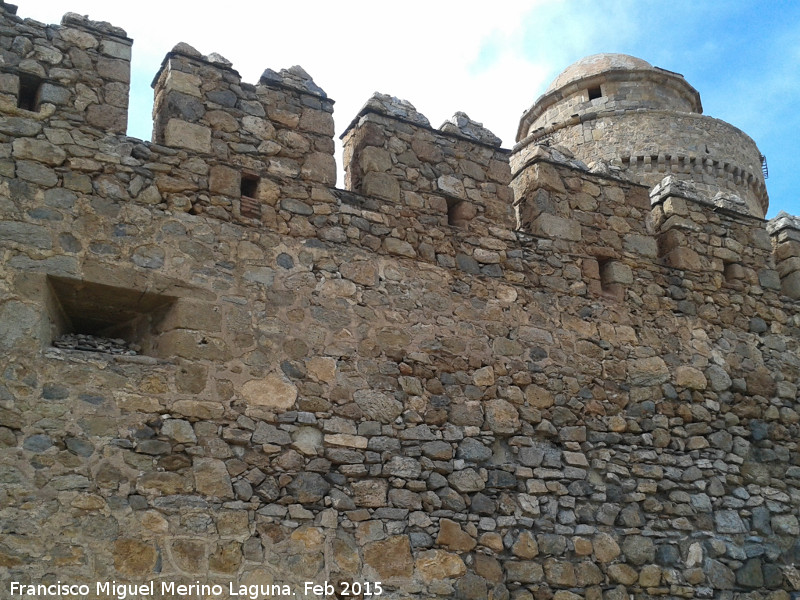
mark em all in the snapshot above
pixel 30 88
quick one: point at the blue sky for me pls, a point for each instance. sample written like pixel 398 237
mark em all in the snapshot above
pixel 491 60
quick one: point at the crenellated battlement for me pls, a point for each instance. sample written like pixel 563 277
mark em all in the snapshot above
pixel 558 371
pixel 252 138
pixel 716 236
pixel 274 126
pixel 459 170
pixel 785 232
pixel 263 154
pixel 78 72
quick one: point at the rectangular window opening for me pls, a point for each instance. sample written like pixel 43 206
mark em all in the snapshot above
pixel 603 264
pixel 95 317
pixel 595 92
pixel 30 88
pixel 249 185
pixel 249 203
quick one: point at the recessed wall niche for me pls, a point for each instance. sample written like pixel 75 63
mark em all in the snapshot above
pixel 96 310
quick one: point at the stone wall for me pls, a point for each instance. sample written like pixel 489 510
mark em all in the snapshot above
pixel 594 398
pixel 785 232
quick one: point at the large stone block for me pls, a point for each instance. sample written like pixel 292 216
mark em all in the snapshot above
pixel 523 571
pixel 606 548
pixel 615 271
pixel 378 406
pixel 319 167
pixel 790 285
pixel 390 558
pixel 551 226
pixel 115 49
pixel 211 478
pixel 381 185
pixel 452 537
pixel 274 391
pixel 25 233
pixel 134 558
pixel 399 247
pixel 787 249
pixel 108 118
pixel 684 258
pixel 560 573
pixel 187 314
pixel 114 69
pixel 643 245
pixel 689 377
pixel 375 159
pixel 186 83
pixel 546 176
pixel 187 135
pixel 191 345
pixel 317 121
pixel 452 186
pixel 648 371
pixel 437 564
pixel 370 493
pixel 78 37
pixel 225 180
pixel 54 94
pixel 38 150
pixel 502 417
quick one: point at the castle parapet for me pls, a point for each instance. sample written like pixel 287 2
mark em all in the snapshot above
pixel 252 138
pixel 595 217
pixel 458 171
pixel 785 232
pixel 716 237
pixel 78 72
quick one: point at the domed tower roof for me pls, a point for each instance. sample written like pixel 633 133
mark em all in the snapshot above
pixel 618 73
pixel 595 65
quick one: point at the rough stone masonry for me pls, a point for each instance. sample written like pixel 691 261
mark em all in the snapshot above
pixel 565 371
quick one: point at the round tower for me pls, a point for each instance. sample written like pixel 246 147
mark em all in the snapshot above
pixel 646 120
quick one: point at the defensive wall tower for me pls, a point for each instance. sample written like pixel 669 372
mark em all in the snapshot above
pixel 648 121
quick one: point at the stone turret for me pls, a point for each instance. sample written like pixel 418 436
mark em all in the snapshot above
pixel 648 121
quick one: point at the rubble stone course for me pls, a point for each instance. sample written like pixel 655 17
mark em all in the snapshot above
pixel 472 373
